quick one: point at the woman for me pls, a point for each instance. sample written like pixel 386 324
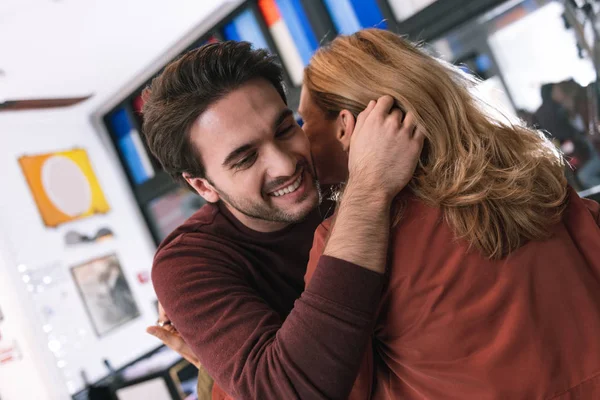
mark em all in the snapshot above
pixel 494 274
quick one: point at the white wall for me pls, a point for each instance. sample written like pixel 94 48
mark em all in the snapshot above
pixel 16 328
pixel 63 48
pixel 28 242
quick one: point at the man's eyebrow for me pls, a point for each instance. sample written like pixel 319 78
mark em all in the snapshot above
pixel 237 152
pixel 244 148
pixel 282 117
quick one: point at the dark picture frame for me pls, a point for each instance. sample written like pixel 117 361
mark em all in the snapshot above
pixel 105 292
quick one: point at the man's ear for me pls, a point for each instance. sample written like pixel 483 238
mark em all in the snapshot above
pixel 345 127
pixel 203 188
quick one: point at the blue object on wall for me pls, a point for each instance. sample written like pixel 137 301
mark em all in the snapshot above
pixel 343 16
pixel 368 13
pixel 483 62
pixel 304 20
pixel 230 32
pixel 245 27
pixel 299 27
pixel 123 134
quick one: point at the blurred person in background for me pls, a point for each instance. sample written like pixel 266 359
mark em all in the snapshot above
pixel 581 110
pixel 565 114
pixel 552 118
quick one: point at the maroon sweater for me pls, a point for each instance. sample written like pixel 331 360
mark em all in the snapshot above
pixel 236 296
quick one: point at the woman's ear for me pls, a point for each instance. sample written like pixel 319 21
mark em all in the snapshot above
pixel 345 127
pixel 203 188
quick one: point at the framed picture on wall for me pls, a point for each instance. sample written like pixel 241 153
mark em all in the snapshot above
pixel 64 186
pixel 105 293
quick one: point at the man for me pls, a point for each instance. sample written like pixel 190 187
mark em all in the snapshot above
pixel 231 278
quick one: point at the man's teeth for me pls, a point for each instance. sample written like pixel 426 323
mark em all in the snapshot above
pixel 289 189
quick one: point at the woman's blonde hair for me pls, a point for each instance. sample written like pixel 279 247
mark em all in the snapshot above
pixel 498 184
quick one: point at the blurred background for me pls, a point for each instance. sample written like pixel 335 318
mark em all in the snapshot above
pixel 83 204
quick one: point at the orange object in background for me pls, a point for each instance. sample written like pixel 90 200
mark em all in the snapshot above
pixel 64 186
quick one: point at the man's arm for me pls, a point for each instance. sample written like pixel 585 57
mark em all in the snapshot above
pixel 363 384
pixel 245 345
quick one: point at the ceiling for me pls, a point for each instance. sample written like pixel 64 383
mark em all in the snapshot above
pixel 54 48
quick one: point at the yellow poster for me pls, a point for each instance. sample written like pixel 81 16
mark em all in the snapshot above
pixel 64 186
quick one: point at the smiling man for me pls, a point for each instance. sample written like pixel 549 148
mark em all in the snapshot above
pixel 264 193
pixel 231 278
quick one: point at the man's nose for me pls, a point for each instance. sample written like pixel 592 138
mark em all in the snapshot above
pixel 281 163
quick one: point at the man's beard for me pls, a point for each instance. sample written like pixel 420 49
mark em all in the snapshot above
pixel 266 211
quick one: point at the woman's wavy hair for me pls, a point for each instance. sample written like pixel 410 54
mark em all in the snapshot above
pixel 497 183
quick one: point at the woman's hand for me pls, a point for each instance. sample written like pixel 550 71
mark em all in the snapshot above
pixel 167 333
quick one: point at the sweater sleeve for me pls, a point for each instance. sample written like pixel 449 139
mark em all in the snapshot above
pixel 363 385
pixel 244 344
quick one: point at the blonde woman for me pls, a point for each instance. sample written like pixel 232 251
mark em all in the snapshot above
pixel 494 268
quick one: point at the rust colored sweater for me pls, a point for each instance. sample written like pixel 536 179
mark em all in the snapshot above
pixel 454 325
pixel 236 296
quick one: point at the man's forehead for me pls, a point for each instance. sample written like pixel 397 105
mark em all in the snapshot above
pixel 242 105
pixel 238 117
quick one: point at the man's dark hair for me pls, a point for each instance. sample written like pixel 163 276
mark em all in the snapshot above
pixel 187 87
